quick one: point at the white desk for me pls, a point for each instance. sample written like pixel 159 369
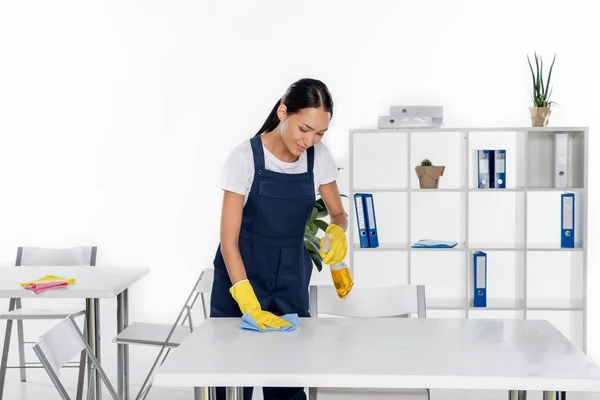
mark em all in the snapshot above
pixel 93 283
pixel 382 353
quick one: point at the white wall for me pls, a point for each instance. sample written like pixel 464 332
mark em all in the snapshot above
pixel 115 117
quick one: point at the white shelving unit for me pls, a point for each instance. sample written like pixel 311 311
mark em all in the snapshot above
pixel 529 275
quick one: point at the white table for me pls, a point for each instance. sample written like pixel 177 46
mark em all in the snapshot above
pixel 93 283
pixel 389 353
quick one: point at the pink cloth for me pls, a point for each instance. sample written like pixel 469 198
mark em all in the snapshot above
pixel 42 287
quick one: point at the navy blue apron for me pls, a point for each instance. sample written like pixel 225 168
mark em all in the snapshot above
pixel 271 244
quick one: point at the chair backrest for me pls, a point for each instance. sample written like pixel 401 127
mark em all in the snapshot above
pixel 205 281
pixel 58 346
pixel 70 257
pixel 373 302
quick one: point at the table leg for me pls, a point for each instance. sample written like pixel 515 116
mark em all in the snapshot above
pixel 554 395
pixel 89 321
pixel 21 341
pixel 235 393
pixel 123 350
pixel 97 348
pixel 4 362
pixel 517 395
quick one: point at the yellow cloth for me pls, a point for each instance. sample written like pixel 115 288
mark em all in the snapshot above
pixel 339 245
pixel 243 293
pixel 50 279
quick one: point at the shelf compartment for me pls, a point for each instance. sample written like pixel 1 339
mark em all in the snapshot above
pixel 378 169
pixel 544 219
pixel 371 269
pixel 555 279
pixel 443 274
pixel 541 159
pixel 511 141
pixel 505 286
pixel 391 215
pixel 437 216
pixel 497 220
pixel 448 151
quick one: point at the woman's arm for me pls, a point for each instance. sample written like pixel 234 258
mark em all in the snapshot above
pixel 231 221
pixel 333 201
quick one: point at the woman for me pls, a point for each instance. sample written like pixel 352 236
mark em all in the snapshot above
pixel 270 184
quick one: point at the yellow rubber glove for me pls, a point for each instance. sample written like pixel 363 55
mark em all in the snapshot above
pixel 244 294
pixel 339 245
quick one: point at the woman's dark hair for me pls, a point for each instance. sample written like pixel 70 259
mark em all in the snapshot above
pixel 303 93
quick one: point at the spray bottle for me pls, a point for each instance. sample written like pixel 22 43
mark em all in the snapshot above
pixel 340 273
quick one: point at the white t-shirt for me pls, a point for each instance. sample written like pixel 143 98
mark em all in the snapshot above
pixel 238 172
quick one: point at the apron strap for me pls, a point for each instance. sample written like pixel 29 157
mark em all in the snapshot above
pixel 310 160
pixel 257 153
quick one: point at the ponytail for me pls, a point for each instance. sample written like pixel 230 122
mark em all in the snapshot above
pixel 272 120
pixel 303 93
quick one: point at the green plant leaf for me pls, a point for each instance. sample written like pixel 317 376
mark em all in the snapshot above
pixel 314 242
pixel 549 74
pixel 313 215
pixel 311 228
pixel 537 84
pixel 542 91
pixel 532 80
pixel 320 205
pixel 316 259
pixel 322 214
pixel 322 225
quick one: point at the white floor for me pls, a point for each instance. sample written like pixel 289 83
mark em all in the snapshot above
pixel 39 387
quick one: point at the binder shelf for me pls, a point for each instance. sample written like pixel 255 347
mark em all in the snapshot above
pixel 530 220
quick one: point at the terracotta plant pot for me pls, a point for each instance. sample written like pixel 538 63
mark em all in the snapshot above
pixel 539 115
pixel 429 176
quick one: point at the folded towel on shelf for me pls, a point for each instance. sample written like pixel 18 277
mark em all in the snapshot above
pixel 429 243
pixel 38 288
pixel 248 323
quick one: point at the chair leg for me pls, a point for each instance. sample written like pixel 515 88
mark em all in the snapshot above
pixel 4 362
pixel 81 375
pixel 21 341
pixel 82 365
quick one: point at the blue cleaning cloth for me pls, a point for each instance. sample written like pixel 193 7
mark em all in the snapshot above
pixel 248 323
pixel 428 243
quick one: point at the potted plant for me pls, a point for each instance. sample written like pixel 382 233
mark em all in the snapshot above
pixel 429 174
pixel 316 223
pixel 541 109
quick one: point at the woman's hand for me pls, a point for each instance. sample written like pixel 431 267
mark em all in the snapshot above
pixel 337 226
pixel 335 251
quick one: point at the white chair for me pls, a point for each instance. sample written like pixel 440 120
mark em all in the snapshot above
pixel 371 302
pixel 39 256
pixel 168 336
pixel 59 345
